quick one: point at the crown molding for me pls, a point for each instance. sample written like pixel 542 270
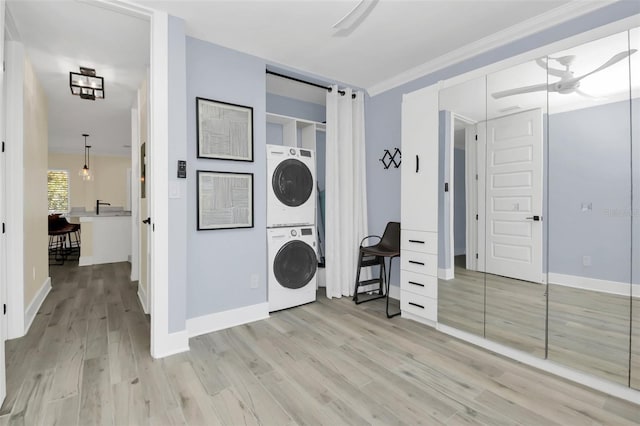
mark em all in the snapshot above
pixel 523 29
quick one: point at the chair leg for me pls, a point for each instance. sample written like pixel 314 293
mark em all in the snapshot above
pixel 355 292
pixel 382 275
pixel 388 284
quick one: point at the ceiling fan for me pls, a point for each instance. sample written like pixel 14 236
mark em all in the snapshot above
pixel 567 83
pixel 348 23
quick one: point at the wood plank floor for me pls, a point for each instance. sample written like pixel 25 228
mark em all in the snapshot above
pixel 587 330
pixel 86 361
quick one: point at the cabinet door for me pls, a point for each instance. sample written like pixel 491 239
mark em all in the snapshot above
pixel 420 160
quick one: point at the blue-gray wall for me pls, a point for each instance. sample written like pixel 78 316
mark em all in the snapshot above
pixel 274 134
pixel 178 207
pixel 459 201
pixel 290 107
pixel 384 110
pixel 590 163
pixel 221 262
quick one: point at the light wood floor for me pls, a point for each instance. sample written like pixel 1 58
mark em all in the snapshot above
pixel 587 330
pixel 86 361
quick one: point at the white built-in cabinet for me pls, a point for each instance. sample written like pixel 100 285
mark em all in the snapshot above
pixel 419 216
pixel 297 132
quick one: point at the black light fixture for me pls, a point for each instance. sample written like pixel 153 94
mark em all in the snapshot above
pixel 86 84
pixel 85 172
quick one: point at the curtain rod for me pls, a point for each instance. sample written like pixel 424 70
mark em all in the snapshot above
pixel 342 92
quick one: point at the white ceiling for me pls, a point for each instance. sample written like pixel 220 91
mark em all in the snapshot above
pixel 61 36
pixel 395 37
pixel 397 40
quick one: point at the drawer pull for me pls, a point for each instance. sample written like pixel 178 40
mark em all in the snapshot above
pixel 416 241
pixel 415 262
pixel 414 283
pixel 416 305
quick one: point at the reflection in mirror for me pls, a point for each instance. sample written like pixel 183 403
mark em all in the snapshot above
pixel 460 283
pixel 514 208
pixel 634 44
pixel 589 240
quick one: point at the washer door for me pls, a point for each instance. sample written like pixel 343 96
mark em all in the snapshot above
pixel 295 264
pixel 292 182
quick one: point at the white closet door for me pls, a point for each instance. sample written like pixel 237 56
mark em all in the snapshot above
pixel 420 160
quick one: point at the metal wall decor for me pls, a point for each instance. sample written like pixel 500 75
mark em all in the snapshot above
pixel 390 158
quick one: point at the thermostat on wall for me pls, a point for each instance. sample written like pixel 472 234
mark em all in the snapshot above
pixel 182 169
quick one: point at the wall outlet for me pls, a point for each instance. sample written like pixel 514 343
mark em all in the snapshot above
pixel 586 260
pixel 255 280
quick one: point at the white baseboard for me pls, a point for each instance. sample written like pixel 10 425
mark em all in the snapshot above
pixel 85 261
pixel 602 385
pixel 142 297
pixel 593 284
pixel 171 344
pixel 409 315
pixel 34 306
pixel 226 319
pixel 445 274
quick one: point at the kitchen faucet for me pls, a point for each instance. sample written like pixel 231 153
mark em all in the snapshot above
pixel 100 203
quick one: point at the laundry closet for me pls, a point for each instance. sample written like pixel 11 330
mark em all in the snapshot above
pixel 295 134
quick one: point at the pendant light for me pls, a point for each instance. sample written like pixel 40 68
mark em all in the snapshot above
pixel 85 172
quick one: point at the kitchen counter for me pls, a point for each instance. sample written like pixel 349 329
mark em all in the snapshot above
pixel 106 238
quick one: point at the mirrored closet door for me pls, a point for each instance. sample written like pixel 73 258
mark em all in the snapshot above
pixel 634 62
pixel 514 208
pixel 461 290
pixel 590 229
pixel 539 208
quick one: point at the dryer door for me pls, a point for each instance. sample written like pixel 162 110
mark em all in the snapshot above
pixel 292 182
pixel 295 264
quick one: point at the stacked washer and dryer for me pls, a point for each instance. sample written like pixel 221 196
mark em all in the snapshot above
pixel 291 231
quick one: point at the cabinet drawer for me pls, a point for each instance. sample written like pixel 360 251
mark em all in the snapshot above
pixel 422 285
pixel 426 242
pixel 421 263
pixel 424 307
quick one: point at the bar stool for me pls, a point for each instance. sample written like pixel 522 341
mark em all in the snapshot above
pixel 388 246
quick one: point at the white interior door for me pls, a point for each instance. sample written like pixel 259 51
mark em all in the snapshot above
pixel 514 196
pixel 3 239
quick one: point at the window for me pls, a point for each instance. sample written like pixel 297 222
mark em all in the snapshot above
pixel 58 190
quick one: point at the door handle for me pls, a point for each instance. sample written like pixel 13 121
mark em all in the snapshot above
pixel 417 164
pixel 147 221
pixel 534 218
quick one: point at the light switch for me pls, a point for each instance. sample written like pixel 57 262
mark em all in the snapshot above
pixel 174 190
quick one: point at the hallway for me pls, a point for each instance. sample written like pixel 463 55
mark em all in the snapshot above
pixel 88 343
pixel 86 361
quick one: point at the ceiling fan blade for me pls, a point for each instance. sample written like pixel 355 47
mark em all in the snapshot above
pixel 552 71
pixel 356 15
pixel 586 95
pixel 519 90
pixel 614 60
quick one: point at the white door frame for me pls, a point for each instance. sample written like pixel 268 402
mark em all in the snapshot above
pixel 135 191
pixel 469 131
pixel 471 196
pixel 163 343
